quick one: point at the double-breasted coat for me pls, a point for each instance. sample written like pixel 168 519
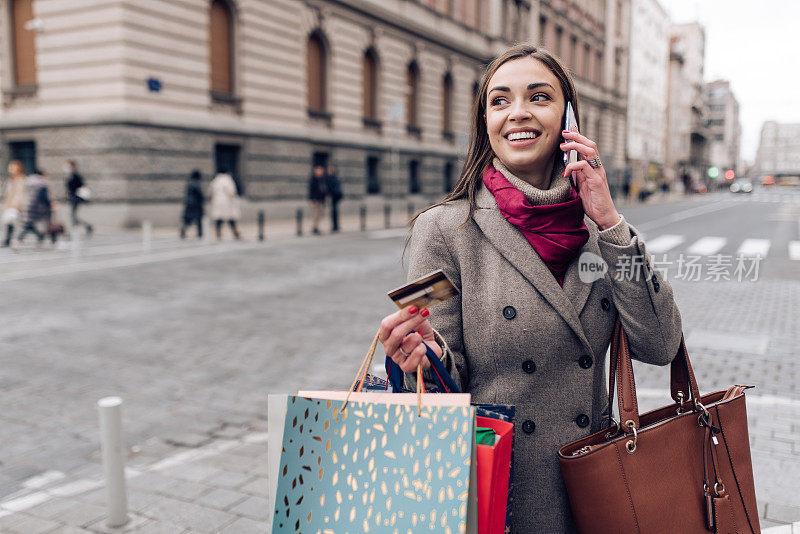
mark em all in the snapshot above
pixel 514 336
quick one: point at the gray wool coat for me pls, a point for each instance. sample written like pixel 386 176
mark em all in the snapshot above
pixel 514 336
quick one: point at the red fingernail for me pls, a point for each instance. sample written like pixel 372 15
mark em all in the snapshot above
pixel 565 174
pixel 564 131
pixel 412 310
pixel 424 313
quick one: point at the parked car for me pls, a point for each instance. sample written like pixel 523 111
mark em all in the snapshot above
pixel 741 186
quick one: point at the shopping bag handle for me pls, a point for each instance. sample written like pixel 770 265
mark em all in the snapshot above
pixel 440 375
pixel 358 382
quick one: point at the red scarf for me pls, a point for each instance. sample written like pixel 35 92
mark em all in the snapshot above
pixel 555 231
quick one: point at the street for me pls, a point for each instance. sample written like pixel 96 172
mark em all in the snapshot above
pixel 194 336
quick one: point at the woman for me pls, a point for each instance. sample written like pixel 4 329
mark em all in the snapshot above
pixel 13 199
pixel 224 203
pixel 317 192
pixel 193 205
pixel 525 329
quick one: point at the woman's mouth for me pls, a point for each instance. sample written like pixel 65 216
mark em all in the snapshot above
pixel 522 138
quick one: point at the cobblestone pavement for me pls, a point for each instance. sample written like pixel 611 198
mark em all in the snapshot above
pixel 194 337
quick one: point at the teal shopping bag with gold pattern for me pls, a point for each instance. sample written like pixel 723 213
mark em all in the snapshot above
pixel 376 467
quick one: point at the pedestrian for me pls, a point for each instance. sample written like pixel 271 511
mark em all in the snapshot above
pixel 193 205
pixel 317 192
pixel 13 199
pixel 77 194
pixel 39 212
pixel 529 328
pixel 334 187
pixel 224 203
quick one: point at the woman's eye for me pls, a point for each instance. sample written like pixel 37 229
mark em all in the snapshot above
pixel 499 101
pixel 541 96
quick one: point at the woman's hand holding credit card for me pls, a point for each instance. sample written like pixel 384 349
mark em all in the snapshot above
pixel 405 333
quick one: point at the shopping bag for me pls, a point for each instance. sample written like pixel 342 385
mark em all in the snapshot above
pixel 494 469
pixel 355 466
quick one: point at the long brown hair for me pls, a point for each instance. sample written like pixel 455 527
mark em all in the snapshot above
pixel 480 152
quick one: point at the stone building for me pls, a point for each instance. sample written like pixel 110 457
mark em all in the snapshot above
pixel 779 152
pixel 723 126
pixel 686 143
pixel 647 94
pixel 142 92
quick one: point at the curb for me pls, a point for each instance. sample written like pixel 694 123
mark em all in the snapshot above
pixel 794 528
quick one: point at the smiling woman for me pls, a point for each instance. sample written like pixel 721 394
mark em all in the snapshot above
pixel 526 329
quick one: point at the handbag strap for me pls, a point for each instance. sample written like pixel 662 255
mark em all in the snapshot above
pixel 683 384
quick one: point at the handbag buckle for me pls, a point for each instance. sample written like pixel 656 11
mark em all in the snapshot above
pixel 680 401
pixel 630 445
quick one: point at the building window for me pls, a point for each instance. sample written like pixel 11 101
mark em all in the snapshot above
pixel 598 68
pixel 542 30
pixel 221 45
pixel 448 177
pixel 226 160
pixel 370 88
pixel 587 60
pixel 316 74
pixel 373 180
pixel 413 177
pixel 24 45
pixel 558 37
pixel 476 88
pixel 412 84
pixel 25 151
pixel 447 107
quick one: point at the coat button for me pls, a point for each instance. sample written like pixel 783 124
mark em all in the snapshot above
pixel 606 304
pixel 528 426
pixel 509 312
pixel 585 362
pixel 528 366
pixel 582 420
pixel 656 285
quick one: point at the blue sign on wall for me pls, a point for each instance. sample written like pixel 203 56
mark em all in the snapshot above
pixel 154 85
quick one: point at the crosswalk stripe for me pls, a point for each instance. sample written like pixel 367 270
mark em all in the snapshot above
pixel 663 243
pixel 705 246
pixel 794 250
pixel 754 247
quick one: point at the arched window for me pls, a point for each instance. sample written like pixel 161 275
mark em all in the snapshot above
pixel 221 43
pixel 447 105
pixel 412 84
pixel 316 65
pixel 23 41
pixel 370 86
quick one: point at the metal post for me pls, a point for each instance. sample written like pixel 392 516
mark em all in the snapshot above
pixel 299 221
pixel 362 215
pixel 410 209
pixel 110 409
pixel 147 235
pixel 387 215
pixel 261 219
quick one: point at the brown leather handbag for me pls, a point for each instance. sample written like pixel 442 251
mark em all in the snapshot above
pixel 684 468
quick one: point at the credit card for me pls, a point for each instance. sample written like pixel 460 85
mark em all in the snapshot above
pixel 425 291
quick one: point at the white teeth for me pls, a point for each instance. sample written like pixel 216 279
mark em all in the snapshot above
pixel 522 135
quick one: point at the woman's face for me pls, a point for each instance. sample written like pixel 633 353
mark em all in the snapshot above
pixel 524 112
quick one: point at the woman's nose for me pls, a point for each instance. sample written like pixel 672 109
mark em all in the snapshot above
pixel 519 111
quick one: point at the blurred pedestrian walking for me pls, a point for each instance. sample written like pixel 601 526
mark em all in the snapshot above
pixel 13 199
pixel 77 194
pixel 193 205
pixel 317 192
pixel 39 212
pixel 334 187
pixel 225 203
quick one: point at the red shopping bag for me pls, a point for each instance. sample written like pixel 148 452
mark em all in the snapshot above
pixel 494 466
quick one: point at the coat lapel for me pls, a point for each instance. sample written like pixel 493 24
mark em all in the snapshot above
pixel 510 242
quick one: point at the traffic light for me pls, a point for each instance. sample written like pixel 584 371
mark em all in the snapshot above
pixel 729 174
pixel 713 172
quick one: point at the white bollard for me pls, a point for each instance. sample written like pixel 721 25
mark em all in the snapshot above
pixel 75 244
pixel 206 228
pixel 147 235
pixel 110 409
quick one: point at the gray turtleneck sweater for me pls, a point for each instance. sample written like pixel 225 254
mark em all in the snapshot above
pixel 559 191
